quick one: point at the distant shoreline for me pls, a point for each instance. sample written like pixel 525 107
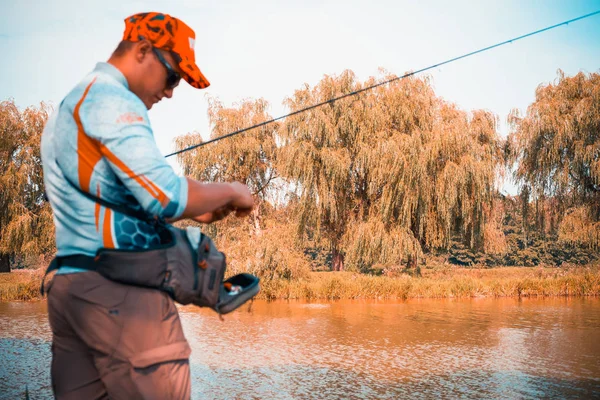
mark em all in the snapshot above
pixel 449 282
pixel 441 282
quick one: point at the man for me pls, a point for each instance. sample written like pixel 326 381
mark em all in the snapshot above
pixel 109 339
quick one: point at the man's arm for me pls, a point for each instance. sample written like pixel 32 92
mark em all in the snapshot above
pixel 210 202
pixel 121 132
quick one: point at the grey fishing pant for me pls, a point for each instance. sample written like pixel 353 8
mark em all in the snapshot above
pixel 115 341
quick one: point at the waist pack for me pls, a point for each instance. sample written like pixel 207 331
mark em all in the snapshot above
pixel 187 265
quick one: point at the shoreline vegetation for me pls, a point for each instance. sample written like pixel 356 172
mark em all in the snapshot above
pixel 439 282
pixel 399 185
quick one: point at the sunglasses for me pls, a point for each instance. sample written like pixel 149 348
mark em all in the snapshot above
pixel 173 76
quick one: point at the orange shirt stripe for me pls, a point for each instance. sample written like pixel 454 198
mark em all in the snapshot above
pixel 88 154
pixel 140 179
pixel 97 210
pixel 107 230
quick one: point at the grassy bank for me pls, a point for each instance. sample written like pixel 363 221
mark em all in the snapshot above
pixel 444 282
pixel 441 283
pixel 20 285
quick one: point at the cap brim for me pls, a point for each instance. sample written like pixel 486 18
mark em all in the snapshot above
pixel 192 75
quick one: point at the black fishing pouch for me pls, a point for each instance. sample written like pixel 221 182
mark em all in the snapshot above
pixel 188 267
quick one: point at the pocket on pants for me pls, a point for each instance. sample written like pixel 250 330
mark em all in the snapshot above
pixel 95 310
pixel 170 352
pixel 96 289
pixel 162 372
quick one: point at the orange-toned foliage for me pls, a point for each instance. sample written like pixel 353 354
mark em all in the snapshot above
pixel 25 219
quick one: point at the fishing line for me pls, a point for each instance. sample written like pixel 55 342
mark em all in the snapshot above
pixel 356 92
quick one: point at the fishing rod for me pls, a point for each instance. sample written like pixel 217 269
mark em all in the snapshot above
pixel 356 92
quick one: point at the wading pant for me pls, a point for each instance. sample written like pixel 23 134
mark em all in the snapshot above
pixel 115 341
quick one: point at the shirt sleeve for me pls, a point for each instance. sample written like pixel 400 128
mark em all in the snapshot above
pixel 120 127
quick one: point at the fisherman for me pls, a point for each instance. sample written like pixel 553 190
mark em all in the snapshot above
pixel 111 340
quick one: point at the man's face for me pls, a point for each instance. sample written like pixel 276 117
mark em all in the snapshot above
pixel 159 73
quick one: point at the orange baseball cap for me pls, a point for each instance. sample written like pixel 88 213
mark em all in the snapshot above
pixel 171 34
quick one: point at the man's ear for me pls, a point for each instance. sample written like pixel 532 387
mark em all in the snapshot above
pixel 143 48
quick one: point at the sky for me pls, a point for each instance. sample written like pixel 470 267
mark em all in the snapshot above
pixel 270 48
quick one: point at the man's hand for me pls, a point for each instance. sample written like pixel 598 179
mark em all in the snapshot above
pixel 243 203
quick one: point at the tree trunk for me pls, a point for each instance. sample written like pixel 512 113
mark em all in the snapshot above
pixel 338 261
pixel 256 219
pixel 4 262
pixel 525 213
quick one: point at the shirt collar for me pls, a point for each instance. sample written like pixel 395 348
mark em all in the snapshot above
pixel 112 71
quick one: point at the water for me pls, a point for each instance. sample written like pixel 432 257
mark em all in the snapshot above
pixel 479 348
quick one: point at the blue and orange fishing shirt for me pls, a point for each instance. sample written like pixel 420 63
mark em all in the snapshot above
pixel 101 140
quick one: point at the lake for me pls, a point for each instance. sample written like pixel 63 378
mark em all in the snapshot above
pixel 477 348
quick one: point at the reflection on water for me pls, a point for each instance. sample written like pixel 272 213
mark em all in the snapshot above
pixel 480 348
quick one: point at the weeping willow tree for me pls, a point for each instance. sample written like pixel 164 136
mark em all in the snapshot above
pixel 247 158
pixel 270 250
pixel 557 147
pixel 25 219
pixel 318 154
pixel 390 173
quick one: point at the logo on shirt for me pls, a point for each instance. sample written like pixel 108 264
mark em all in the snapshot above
pixel 192 43
pixel 129 118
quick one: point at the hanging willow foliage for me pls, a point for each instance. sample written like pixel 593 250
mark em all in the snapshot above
pixel 557 147
pixel 25 219
pixel 393 167
pixel 245 158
